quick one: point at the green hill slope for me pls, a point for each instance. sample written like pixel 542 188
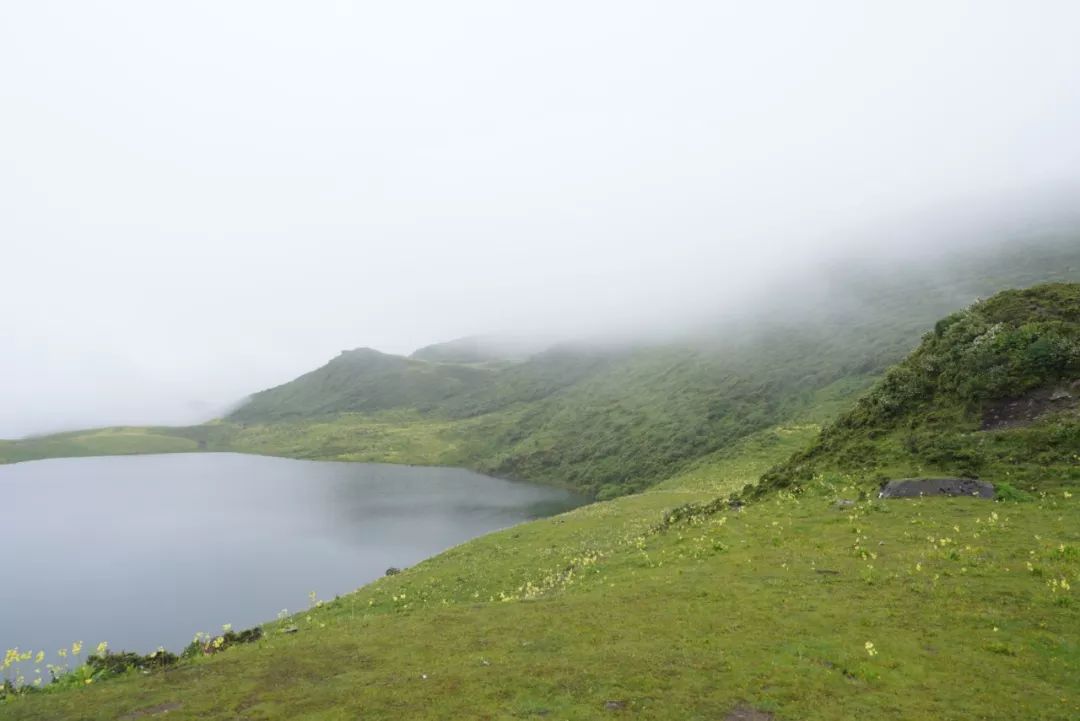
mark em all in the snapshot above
pixel 481 349
pixel 992 391
pixel 363 381
pixel 616 418
pixel 792 607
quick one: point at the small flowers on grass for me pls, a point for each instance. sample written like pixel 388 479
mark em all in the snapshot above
pixel 870 650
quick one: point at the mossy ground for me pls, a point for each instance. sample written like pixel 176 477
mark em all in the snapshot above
pixel 772 605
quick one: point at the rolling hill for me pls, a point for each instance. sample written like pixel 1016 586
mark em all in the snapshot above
pixel 618 416
pixel 993 390
pixel 811 599
pixel 613 418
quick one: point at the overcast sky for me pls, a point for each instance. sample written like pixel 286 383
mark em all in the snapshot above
pixel 200 199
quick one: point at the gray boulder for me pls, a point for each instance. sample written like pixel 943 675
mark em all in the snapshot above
pixel 917 487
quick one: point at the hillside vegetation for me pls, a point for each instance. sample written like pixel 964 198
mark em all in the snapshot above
pixel 615 418
pixel 992 391
pixel 362 380
pixel 820 604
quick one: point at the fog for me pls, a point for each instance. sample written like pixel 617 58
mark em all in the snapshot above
pixel 201 199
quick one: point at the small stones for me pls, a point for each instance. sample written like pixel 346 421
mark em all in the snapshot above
pixel 614 705
pixel 290 629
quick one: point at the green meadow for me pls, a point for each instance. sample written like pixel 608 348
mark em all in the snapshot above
pixel 798 606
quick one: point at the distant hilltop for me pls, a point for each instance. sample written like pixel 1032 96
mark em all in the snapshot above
pixel 482 349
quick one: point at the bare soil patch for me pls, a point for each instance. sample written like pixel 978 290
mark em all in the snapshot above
pixel 1026 409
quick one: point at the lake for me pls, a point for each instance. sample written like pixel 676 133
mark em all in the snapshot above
pixel 142 551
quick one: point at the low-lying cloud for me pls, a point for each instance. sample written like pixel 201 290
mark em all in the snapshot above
pixel 202 199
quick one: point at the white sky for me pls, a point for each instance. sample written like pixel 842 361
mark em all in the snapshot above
pixel 200 199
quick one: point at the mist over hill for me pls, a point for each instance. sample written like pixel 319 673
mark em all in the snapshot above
pixel 616 414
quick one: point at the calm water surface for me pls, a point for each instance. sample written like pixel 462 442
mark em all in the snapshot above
pixel 142 551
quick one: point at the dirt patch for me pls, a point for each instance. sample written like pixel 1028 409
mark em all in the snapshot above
pixel 918 487
pixel 162 708
pixel 1026 409
pixel 742 712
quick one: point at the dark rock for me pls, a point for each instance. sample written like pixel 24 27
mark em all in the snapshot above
pixel 393 571
pixel 917 487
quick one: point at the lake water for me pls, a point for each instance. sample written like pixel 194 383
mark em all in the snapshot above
pixel 142 551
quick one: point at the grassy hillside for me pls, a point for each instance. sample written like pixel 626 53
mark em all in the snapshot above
pixel 611 419
pixel 117 441
pixel 481 349
pixel 825 604
pixel 992 391
pixel 607 612
pixel 616 419
pixel 362 380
